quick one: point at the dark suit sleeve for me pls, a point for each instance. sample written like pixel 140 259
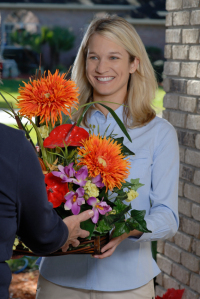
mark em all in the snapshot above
pixel 39 226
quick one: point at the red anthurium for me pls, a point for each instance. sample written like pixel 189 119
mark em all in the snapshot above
pixel 55 189
pixel 68 134
pixel 172 294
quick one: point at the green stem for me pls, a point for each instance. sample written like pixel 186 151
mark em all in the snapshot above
pixel 45 155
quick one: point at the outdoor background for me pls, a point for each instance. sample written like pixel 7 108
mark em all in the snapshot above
pixel 54 29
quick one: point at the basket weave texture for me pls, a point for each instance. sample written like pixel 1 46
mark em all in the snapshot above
pixel 92 246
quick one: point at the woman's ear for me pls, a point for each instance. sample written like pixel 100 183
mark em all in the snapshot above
pixel 134 65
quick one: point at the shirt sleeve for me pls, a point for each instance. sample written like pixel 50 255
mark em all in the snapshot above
pixel 163 218
pixel 39 226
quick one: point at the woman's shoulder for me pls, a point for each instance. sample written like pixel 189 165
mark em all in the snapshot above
pixel 165 133
pixel 162 126
pixel 162 123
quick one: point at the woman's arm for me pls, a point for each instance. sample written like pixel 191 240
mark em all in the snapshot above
pixel 163 217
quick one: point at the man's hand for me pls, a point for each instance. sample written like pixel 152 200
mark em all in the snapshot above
pixel 73 224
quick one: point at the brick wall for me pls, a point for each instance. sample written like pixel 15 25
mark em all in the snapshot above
pixel 179 257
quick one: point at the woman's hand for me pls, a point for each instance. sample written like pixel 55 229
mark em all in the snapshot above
pixel 112 245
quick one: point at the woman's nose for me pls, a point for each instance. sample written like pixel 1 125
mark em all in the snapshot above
pixel 102 66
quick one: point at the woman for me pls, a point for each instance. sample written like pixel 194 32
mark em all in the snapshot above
pixel 112 66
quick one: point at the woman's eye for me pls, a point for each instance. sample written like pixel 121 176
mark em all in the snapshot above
pixel 93 57
pixel 113 57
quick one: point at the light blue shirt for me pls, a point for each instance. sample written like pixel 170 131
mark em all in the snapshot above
pixel 156 163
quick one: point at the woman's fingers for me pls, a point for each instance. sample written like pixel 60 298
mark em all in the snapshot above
pixel 112 243
pixel 109 248
pixel 106 247
pixel 106 254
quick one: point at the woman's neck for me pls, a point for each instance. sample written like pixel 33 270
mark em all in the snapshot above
pixel 110 101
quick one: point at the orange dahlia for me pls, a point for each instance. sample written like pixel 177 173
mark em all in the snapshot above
pixel 103 156
pixel 48 97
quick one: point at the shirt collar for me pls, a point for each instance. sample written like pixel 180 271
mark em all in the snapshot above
pixel 118 111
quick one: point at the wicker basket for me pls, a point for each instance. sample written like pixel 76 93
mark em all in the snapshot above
pixel 92 246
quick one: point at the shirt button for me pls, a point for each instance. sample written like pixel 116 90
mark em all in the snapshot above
pixel 110 115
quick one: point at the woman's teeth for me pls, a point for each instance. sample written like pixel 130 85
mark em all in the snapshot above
pixel 105 78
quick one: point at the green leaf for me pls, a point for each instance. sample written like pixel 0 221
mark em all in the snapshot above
pixel 133 184
pixel 136 184
pixel 138 214
pixel 120 228
pixel 103 227
pixel 56 154
pixel 66 150
pixel 119 206
pixel 118 120
pixel 131 224
pixel 127 184
pixel 88 225
pixel 113 218
pixel 103 192
pixel 118 191
pixel 138 218
pixel 135 181
pixel 125 150
pixel 121 197
pixel 106 131
pixel 84 111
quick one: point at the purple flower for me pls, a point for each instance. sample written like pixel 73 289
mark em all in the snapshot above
pixel 81 176
pixel 66 173
pixel 74 200
pixel 98 181
pixel 98 207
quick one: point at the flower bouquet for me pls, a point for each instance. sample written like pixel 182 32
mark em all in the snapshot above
pixel 82 170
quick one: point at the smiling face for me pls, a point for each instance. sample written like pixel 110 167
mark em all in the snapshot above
pixel 108 68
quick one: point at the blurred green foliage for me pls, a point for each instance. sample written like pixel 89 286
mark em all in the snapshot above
pixel 156 57
pixel 17 264
pixel 58 38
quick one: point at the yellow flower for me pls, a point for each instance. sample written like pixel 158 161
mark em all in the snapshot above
pixel 132 194
pixel 44 131
pixel 91 190
pixel 113 212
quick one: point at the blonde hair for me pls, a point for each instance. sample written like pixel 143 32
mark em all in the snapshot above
pixel 142 84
